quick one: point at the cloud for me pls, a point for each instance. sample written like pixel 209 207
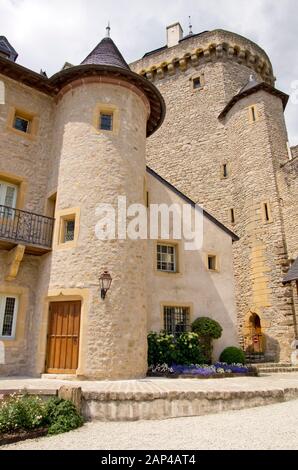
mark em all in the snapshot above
pixel 46 33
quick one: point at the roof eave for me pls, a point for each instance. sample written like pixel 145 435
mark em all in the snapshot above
pixel 192 203
pixel 261 86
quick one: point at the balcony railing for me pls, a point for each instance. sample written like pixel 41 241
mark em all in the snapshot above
pixel 26 227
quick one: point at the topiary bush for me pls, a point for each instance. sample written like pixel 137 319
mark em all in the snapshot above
pixel 62 416
pixel 168 349
pixel 207 330
pixel 232 355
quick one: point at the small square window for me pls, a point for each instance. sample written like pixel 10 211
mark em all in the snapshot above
pixel 197 83
pixel 69 230
pixel 21 124
pixel 212 263
pixel 166 258
pixel 106 121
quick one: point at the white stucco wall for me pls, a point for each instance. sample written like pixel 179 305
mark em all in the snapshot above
pixel 208 293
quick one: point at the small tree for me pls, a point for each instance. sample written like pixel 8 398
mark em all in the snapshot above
pixel 207 330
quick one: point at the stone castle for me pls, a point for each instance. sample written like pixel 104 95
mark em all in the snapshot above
pixel 216 137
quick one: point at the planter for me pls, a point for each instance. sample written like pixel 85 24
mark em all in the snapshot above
pixel 12 438
pixel 198 376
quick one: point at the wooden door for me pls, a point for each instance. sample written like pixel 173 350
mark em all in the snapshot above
pixel 63 337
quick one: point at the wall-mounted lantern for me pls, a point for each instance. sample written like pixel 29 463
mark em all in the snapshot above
pixel 105 282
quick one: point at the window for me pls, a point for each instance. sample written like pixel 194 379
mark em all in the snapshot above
pixel 212 263
pixel 166 258
pixel 232 216
pixel 8 198
pixel 176 320
pixel 66 232
pixel 69 230
pixel 253 113
pixel 8 194
pixel 266 213
pixel 21 124
pixel 8 315
pixel 197 83
pixel 225 172
pixel 106 121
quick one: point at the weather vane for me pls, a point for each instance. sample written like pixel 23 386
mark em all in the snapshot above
pixel 108 29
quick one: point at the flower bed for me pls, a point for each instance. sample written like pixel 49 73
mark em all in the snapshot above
pixel 24 417
pixel 218 370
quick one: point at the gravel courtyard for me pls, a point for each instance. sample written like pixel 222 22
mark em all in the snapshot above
pixel 263 428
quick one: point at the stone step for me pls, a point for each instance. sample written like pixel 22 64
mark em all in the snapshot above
pixel 276 370
pixel 270 365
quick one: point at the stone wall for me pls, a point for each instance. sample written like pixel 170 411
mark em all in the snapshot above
pixel 18 351
pixel 190 149
pixel 21 156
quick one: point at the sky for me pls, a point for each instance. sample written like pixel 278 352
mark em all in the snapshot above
pixel 47 33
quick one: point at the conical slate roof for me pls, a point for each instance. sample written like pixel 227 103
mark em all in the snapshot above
pixel 106 53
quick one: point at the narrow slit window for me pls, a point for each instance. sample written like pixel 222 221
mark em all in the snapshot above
pixel 232 213
pixel 106 121
pixel 266 212
pixel 225 172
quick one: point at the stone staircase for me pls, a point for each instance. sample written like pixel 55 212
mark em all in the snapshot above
pixel 273 367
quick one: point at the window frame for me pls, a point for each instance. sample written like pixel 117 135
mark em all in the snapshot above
pixel 175 256
pixel 253 114
pixel 3 299
pixel 7 184
pixel 217 265
pixel 108 109
pixel 201 78
pixel 63 216
pixel 104 115
pixel 175 322
pixel 31 117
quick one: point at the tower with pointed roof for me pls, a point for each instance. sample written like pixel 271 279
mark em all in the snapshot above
pixel 225 133
pixel 104 111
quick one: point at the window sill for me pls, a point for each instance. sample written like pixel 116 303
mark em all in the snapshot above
pixel 25 135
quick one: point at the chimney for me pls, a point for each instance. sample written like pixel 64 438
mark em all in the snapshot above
pixel 174 34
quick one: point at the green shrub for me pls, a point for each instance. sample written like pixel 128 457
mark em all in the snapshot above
pixel 168 349
pixel 22 413
pixel 232 355
pixel 207 330
pixel 62 416
pixel 206 327
pixel 25 413
pixel 160 348
pixel 188 350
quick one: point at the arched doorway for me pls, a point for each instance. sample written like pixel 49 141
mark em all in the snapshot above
pixel 254 338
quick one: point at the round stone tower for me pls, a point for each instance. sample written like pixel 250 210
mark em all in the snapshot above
pixel 103 114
